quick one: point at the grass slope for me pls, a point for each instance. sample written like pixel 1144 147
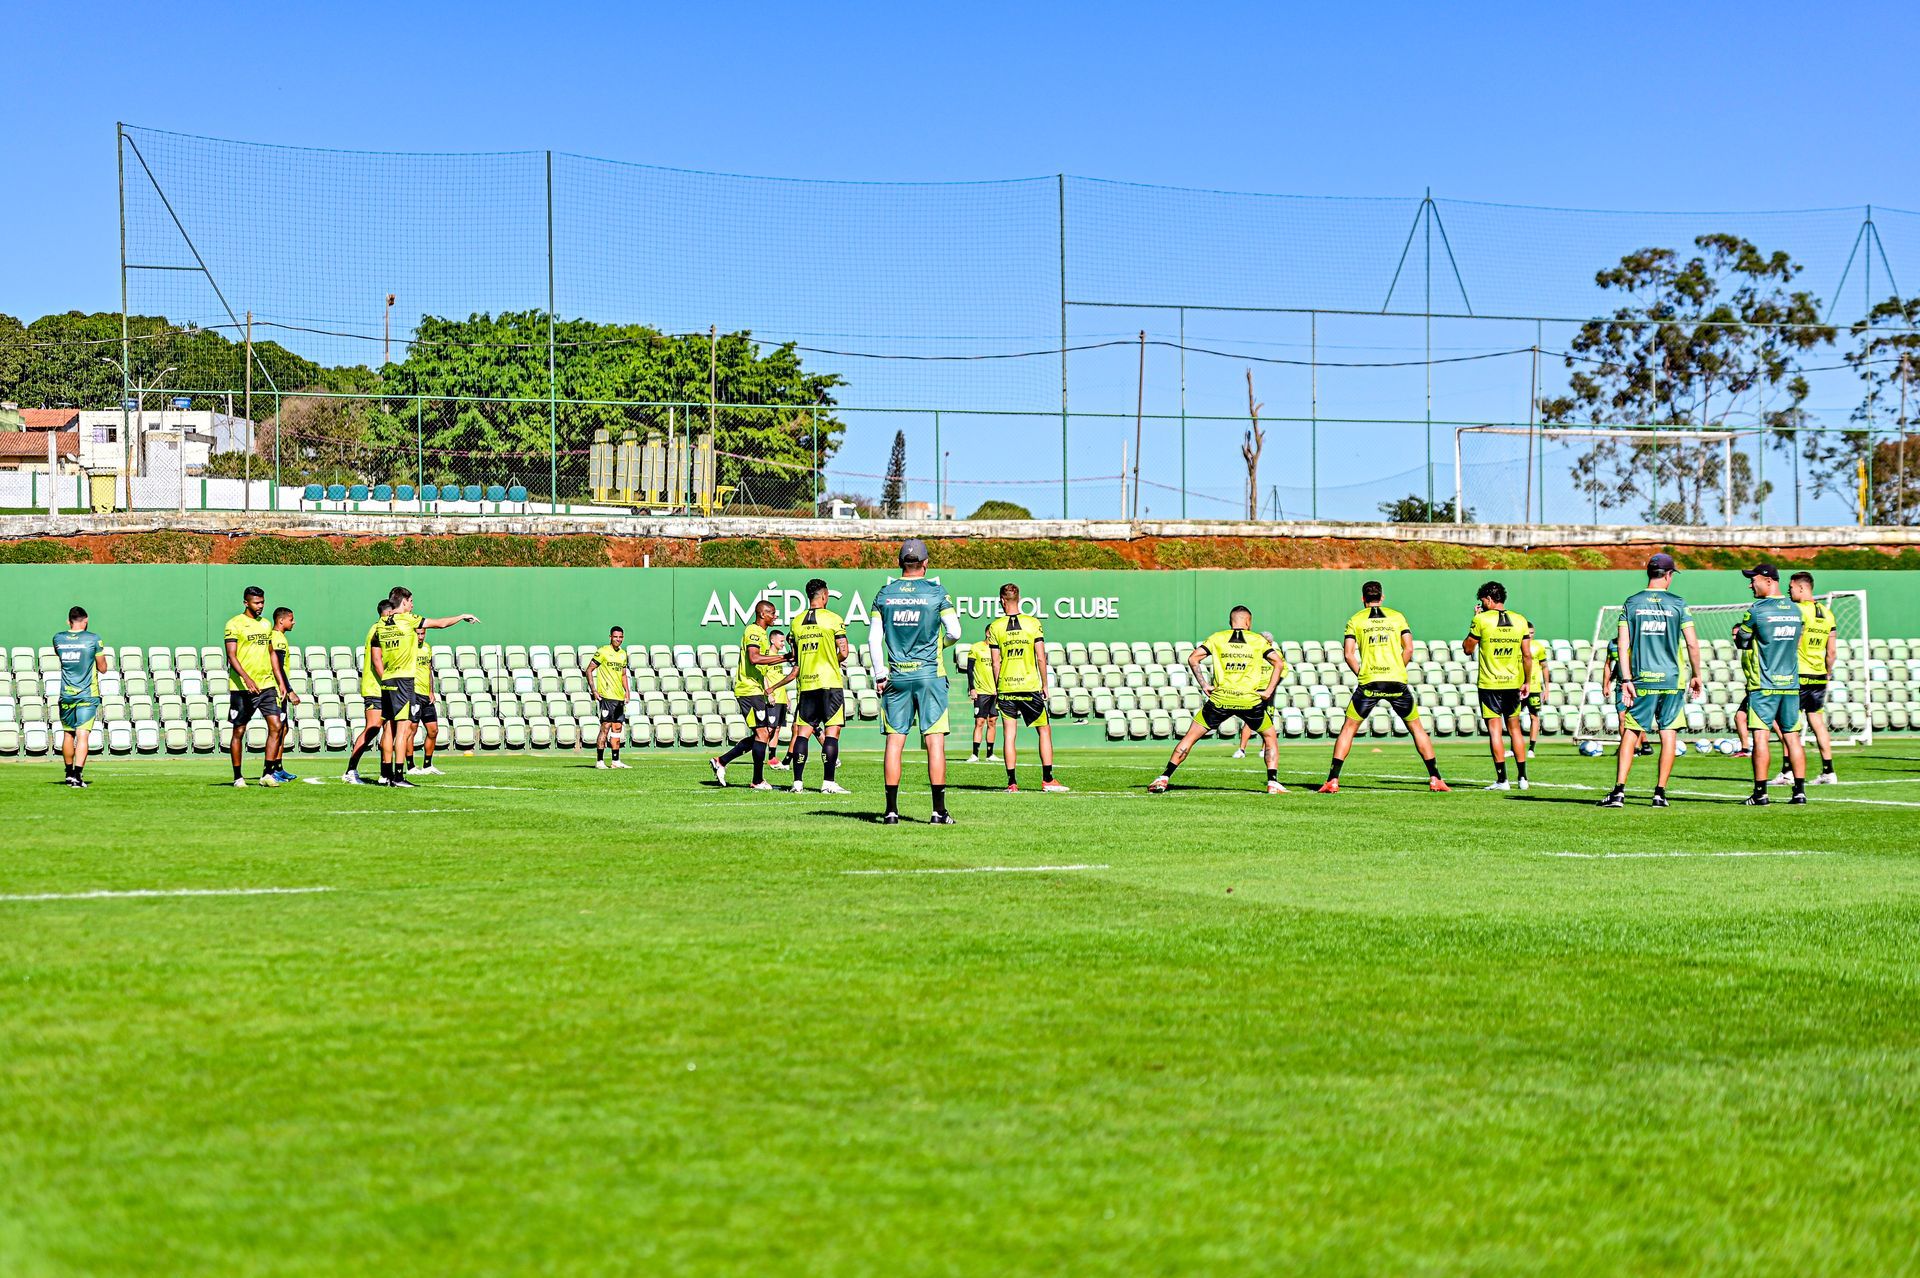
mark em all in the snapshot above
pixel 573 1022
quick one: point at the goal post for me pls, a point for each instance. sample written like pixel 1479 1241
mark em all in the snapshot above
pixel 1503 473
pixel 1851 705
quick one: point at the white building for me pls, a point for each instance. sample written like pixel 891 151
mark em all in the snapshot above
pixel 165 436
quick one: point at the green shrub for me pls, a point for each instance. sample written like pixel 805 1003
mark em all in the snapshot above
pixel 40 550
pixel 996 509
pixel 286 550
pixel 163 548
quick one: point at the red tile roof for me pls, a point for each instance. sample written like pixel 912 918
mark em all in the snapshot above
pixel 49 418
pixel 32 445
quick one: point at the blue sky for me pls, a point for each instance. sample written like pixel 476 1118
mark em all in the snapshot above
pixel 1710 106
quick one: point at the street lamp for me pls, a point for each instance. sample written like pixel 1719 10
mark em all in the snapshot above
pixel 386 333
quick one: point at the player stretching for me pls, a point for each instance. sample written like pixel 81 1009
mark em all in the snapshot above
pixel 280 719
pixel 1502 641
pixel 986 707
pixel 1768 636
pixel 1818 647
pixel 607 668
pixel 1537 687
pixel 750 688
pixel 1652 623
pixel 1378 647
pixel 913 622
pixel 820 660
pixel 81 661
pixel 426 714
pixel 250 686
pixel 1019 655
pixel 369 693
pixel 1242 671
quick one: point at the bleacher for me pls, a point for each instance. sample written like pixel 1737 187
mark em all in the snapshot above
pixel 514 697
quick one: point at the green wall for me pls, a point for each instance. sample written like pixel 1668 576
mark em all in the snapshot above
pixel 189 604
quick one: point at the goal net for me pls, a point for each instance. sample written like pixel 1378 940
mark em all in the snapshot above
pixel 1851 709
pixel 1599 475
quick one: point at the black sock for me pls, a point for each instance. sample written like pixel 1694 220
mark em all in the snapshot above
pixel 737 749
pixel 1011 778
pixel 1333 769
pixel 360 748
pixel 759 762
pixel 72 771
pixel 1799 785
pixel 1046 772
pixel 1659 790
pixel 1522 766
pixel 236 772
pixel 600 752
pixel 616 752
pixel 893 798
pixel 830 755
pixel 1169 769
pixel 1433 767
pixel 989 749
pixel 939 798
pixel 1273 774
pixel 1826 765
pixel 1500 772
pixel 798 760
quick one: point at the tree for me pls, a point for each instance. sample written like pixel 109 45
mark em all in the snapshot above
pixel 1250 446
pixel 997 509
pixel 1886 355
pixel 72 360
pixel 1893 488
pixel 1708 342
pixel 1412 509
pixel 895 487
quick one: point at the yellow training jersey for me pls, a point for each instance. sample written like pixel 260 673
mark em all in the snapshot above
pixel 750 680
pixel 423 667
pixel 369 682
pixel 252 652
pixel 1502 634
pixel 1378 631
pixel 610 672
pixel 1538 679
pixel 1018 639
pixel 817 633
pixel 399 640
pixel 1240 668
pixel 1817 623
pixel 980 670
pixel 277 647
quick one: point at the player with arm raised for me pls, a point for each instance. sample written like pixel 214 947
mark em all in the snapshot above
pixel 1652 625
pixel 1501 641
pixel 1768 636
pixel 914 621
pixel 820 653
pixel 612 689
pixel 396 658
pixel 750 679
pixel 1016 646
pixel 1238 670
pixel 370 697
pixel 81 662
pixel 1378 648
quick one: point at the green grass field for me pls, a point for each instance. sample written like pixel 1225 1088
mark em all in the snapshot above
pixel 558 1021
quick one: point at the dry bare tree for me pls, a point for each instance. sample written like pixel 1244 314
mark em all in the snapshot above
pixel 1250 449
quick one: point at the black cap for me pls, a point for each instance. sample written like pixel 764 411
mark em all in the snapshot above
pixel 1761 570
pixel 1662 562
pixel 913 551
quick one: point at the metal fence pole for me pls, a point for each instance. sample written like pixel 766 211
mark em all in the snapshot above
pixel 1062 188
pixel 939 478
pixel 815 416
pixel 273 498
pixel 419 444
pixel 1183 412
pixel 1428 207
pixel 1313 409
pixel 553 404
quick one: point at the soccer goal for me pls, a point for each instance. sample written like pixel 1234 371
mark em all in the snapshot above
pixel 1521 474
pixel 1850 696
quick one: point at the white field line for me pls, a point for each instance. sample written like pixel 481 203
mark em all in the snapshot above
pixel 392 811
pixel 1814 793
pixel 136 893
pixel 989 869
pixel 1640 856
pixel 444 786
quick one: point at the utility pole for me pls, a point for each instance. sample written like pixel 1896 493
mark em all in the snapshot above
pixel 386 331
pixel 1139 411
pixel 248 402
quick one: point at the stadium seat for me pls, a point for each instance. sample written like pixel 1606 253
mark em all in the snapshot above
pixel 404 492
pixel 516 493
pixel 336 492
pixel 472 492
pixel 383 492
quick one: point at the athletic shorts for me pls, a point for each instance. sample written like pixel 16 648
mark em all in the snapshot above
pixel 922 702
pixel 243 705
pixel 1768 709
pixel 1500 703
pixel 1259 718
pixel 612 710
pixel 370 703
pixel 780 711
pixel 1813 697
pixel 1029 708
pixel 1533 703
pixel 986 705
pixel 1655 711
pixel 396 701
pixel 756 713
pixel 78 712
pixel 424 710
pixel 1395 696
pixel 822 708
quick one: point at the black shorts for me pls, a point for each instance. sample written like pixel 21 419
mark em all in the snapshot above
pixel 757 712
pixel 1500 703
pixel 612 710
pixel 985 705
pixel 1813 697
pixel 396 701
pixel 243 705
pixel 1259 718
pixel 1029 708
pixel 1533 703
pixel 371 703
pixel 822 708
pixel 424 711
pixel 779 712
pixel 1395 696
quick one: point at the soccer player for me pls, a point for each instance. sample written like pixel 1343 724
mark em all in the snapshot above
pixel 781 706
pixel 81 661
pixel 396 655
pixel 1016 645
pixel 1241 671
pixel 612 688
pixel 426 714
pixel 279 720
pixel 1818 647
pixel 1537 687
pixel 251 688
pixel 1502 641
pixel 757 662
pixel 820 660
pixel 370 698
pixel 986 707
pixel 1378 648
pixel 1652 624
pixel 914 621
pixel 1612 679
pixel 1768 636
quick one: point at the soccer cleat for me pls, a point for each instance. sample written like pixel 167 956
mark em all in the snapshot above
pixel 352 778
pixel 1501 785
pixel 1053 787
pixel 285 777
pixel 760 785
pixel 1274 787
pixel 401 783
pixel 796 788
pixel 1756 800
pixel 1743 754
pixel 1614 799
pixel 269 780
pixel 1013 787
pixel 973 758
pixel 778 765
pixel 1158 785
pixel 1825 778
pixel 940 818
pixel 1239 754
pixel 1523 783
pixel 1785 777
pixel 600 765
pixel 433 770
pixel 416 772
pixel 1659 800
pixel 1438 786
pixel 624 767
pixel 239 783
pixel 719 770
pixel 1331 787
pixel 71 783
pixel 1799 796
pixel 833 787
pixel 890 818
